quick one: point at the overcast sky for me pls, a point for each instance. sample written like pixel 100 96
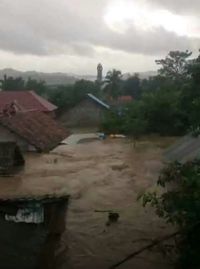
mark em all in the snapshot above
pixel 72 36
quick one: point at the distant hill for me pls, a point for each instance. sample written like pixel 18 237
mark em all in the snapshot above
pixel 49 78
pixel 142 75
pixel 60 78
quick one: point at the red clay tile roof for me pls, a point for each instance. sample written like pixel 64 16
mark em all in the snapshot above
pixel 125 98
pixel 29 100
pixel 37 128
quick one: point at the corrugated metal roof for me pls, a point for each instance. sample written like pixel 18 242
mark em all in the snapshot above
pixel 97 100
pixel 186 149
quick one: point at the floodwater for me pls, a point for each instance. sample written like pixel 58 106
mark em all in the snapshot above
pixel 99 176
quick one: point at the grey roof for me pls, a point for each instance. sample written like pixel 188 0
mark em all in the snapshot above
pixel 186 149
pixel 97 100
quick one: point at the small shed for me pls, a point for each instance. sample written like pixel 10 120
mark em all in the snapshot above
pixel 10 157
pixel 88 113
pixel 31 229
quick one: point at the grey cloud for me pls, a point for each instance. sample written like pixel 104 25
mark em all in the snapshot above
pixel 46 27
pixel 157 42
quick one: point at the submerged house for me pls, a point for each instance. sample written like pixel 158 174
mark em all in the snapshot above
pixel 26 100
pixel 186 149
pixel 32 210
pixel 122 100
pixel 31 130
pixel 31 229
pixel 11 157
pixel 88 113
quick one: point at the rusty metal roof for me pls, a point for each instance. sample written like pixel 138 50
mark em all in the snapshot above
pixel 37 128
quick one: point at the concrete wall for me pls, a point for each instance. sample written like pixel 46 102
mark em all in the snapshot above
pixel 86 114
pixel 6 135
pixel 30 245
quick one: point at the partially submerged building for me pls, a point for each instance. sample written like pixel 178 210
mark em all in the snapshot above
pixel 31 130
pixel 32 218
pixel 31 229
pixel 11 158
pixel 122 100
pixel 186 149
pixel 88 113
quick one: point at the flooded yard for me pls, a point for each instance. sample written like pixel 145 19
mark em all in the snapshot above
pixel 99 176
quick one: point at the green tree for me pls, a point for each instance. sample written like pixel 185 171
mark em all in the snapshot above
pixel 113 83
pixel 38 86
pixel 190 97
pixel 163 113
pixel 135 123
pixel 179 205
pixel 132 86
pixel 62 97
pixel 68 96
pixel 83 87
pixel 170 100
pixel 174 65
pixel 156 83
pixel 12 84
pixel 194 70
pixel 113 122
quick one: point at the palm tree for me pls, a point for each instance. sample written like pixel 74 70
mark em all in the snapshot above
pixel 113 81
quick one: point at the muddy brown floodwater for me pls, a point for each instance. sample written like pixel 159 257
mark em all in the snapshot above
pixel 106 175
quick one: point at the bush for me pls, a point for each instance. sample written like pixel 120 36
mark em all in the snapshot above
pixel 113 123
pixel 179 205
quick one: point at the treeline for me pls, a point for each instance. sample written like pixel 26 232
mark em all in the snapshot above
pixel 64 96
pixel 19 84
pixel 167 104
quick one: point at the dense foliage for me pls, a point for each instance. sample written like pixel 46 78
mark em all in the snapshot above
pixel 167 104
pixel 68 96
pixel 19 84
pixel 179 205
pixel 113 81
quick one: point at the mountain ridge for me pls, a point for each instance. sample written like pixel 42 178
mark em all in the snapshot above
pixel 59 78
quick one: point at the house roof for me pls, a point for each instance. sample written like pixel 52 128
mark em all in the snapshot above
pixel 98 101
pixel 37 128
pixel 43 199
pixel 29 100
pixel 186 149
pixel 125 99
